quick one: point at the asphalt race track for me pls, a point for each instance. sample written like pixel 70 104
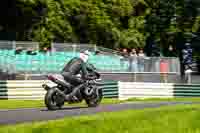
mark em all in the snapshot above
pixel 15 116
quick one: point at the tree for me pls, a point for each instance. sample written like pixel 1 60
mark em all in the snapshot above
pixel 110 23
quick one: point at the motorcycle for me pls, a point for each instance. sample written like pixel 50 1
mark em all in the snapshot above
pixel 55 95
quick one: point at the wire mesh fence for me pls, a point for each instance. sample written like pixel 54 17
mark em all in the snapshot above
pixel 107 61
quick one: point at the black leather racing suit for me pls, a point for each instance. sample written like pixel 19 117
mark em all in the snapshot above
pixel 72 68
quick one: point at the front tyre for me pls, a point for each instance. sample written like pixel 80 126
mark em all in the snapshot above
pixel 95 99
pixel 53 100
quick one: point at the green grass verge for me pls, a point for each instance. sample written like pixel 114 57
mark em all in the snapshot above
pixel 14 104
pixel 171 119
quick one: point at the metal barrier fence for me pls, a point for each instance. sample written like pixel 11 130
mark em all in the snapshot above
pixel 12 45
pixel 108 61
pixel 113 61
pixel 142 77
pixel 34 64
pixel 76 48
pixel 151 64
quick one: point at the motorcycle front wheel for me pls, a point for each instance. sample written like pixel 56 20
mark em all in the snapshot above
pixel 95 99
pixel 53 100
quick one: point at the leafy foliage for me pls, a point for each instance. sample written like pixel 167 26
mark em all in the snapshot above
pixel 110 23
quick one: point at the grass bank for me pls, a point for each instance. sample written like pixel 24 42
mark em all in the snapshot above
pixel 172 119
pixel 14 104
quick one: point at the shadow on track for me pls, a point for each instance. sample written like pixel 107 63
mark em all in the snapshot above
pixel 66 108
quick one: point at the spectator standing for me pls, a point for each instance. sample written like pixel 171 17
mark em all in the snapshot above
pixel 96 52
pixel 133 65
pixel 171 52
pixel 46 51
pixel 124 59
pixel 18 50
pixel 141 59
pixel 172 61
pixel 31 51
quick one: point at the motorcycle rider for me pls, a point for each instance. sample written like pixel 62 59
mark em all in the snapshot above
pixel 77 65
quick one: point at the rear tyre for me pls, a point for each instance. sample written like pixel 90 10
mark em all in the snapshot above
pixel 53 100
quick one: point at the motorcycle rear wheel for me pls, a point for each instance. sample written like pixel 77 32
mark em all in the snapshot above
pixel 51 100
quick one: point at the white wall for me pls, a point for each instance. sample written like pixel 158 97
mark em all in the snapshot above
pixel 144 90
